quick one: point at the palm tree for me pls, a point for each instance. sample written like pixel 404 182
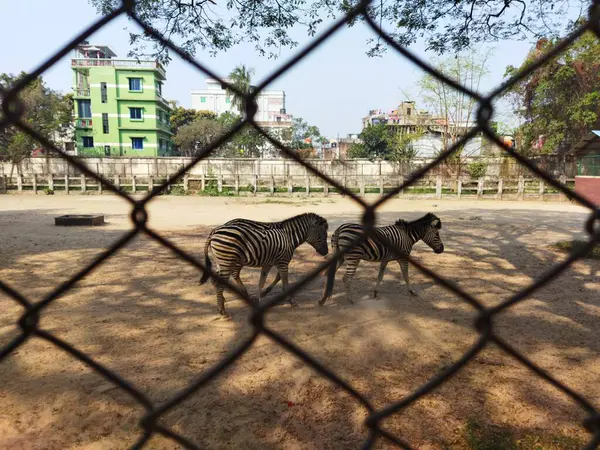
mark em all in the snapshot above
pixel 240 78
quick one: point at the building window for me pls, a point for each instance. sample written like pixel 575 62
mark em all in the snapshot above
pixel 103 93
pixel 137 143
pixel 227 100
pixel 159 88
pixel 84 108
pixel 135 113
pixel 408 111
pixel 105 129
pixel 88 142
pixel 202 99
pixel 135 84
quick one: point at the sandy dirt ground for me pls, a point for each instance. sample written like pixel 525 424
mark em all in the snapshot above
pixel 143 314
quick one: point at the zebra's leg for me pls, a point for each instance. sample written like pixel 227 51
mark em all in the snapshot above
pixel 272 285
pixel 382 267
pixel 404 268
pixel 238 281
pixel 283 272
pixel 351 267
pixel 261 282
pixel 324 296
pixel 224 273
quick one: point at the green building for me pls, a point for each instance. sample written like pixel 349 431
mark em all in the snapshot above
pixel 119 107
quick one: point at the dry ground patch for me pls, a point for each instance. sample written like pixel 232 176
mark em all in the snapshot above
pixel 142 314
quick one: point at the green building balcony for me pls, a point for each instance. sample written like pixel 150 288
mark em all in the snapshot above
pixel 81 92
pixel 83 123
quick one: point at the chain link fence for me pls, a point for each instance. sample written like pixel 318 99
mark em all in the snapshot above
pixel 484 324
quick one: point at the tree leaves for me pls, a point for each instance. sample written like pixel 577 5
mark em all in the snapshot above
pixel 444 26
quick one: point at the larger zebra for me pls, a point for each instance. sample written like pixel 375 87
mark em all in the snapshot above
pixel 243 242
pixel 402 234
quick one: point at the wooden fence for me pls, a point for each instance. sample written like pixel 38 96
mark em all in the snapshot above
pixel 427 187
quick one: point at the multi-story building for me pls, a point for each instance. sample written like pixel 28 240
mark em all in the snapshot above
pixel 435 131
pixel 119 107
pixel 271 104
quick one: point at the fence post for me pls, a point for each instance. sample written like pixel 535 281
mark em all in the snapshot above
pixel 563 180
pixel 19 182
pixel 345 185
pixel 362 185
pixel 459 187
pixel 50 182
pixel 83 183
pixel 202 182
pixel 401 180
pixel 150 183
pixel 307 185
pixel 290 185
pixel 380 181
pixel 34 182
pixel 255 184
pixel 4 184
pixel 220 184
pixel 272 185
pixel 521 187
pixel 237 185
pixel 67 183
pixel 542 189
pixel 500 188
pixel 133 184
pixel 325 188
pixel 480 187
pixel 186 183
pixel 438 187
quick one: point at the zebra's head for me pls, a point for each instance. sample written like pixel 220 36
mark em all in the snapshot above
pixel 431 236
pixel 317 234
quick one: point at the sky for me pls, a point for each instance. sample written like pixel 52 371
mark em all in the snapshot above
pixel 333 88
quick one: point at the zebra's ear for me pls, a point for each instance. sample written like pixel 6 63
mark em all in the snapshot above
pixel 436 223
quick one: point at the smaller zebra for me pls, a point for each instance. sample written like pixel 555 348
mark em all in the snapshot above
pixel 243 242
pixel 402 234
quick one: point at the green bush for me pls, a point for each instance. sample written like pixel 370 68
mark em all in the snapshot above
pixel 48 191
pixel 477 169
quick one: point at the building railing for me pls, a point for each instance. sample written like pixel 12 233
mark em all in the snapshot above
pixel 79 92
pixel 120 63
pixel 589 166
pixel 83 123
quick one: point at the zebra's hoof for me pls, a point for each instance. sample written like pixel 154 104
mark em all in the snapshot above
pixel 321 302
pixel 375 295
pixel 413 292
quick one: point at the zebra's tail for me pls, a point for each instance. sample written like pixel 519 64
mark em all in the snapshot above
pixel 207 262
pixel 333 267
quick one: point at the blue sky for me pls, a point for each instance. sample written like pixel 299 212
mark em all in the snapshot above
pixel 333 88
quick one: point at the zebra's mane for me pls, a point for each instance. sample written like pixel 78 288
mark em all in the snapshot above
pixel 318 220
pixel 420 221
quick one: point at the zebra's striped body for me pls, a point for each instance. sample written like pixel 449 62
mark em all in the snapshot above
pixel 403 235
pixel 243 242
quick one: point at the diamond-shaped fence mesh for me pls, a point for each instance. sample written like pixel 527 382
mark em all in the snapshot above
pixel 484 323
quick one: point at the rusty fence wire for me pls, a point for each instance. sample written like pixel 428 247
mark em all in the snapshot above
pixel 484 324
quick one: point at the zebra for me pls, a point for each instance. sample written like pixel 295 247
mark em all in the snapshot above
pixel 403 234
pixel 243 242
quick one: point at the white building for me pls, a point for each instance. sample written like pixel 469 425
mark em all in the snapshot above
pixel 271 104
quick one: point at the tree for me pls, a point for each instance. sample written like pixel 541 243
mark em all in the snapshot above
pixel 240 77
pixel 560 102
pixel 193 138
pixel 247 142
pixel 454 108
pixel 375 142
pixel 268 24
pixel 46 111
pixel 299 133
pixel 183 116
